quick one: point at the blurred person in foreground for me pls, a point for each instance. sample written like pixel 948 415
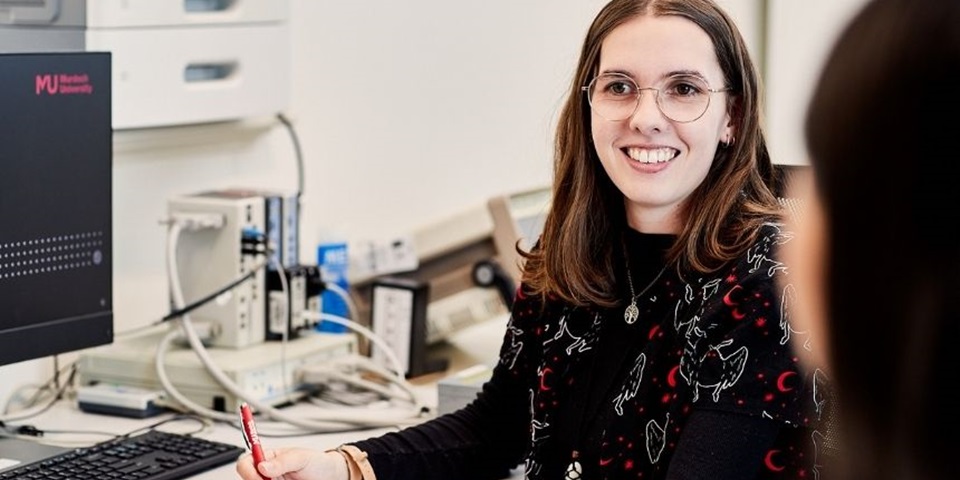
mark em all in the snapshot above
pixel 875 261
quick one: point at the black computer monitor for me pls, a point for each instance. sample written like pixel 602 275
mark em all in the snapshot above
pixel 56 155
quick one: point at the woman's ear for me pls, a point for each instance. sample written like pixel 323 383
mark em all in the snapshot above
pixel 733 114
pixel 729 137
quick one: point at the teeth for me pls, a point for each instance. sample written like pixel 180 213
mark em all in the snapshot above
pixel 643 155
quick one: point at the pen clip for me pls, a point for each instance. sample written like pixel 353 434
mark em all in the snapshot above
pixel 246 441
pixel 244 425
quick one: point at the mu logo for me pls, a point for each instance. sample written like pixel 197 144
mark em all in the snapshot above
pixel 62 84
pixel 48 82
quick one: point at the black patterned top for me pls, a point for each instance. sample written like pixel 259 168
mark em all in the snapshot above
pixel 575 383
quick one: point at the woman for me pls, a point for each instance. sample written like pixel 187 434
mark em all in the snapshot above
pixel 646 340
pixel 876 255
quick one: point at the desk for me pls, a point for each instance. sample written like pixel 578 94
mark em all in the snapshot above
pixel 477 344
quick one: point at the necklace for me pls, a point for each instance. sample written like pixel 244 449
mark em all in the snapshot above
pixel 632 312
pixel 574 470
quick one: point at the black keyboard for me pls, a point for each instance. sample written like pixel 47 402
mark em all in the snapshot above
pixel 153 455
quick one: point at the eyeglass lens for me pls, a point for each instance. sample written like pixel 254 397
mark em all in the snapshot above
pixel 682 98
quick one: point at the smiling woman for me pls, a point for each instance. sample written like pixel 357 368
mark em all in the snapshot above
pixel 658 156
pixel 645 338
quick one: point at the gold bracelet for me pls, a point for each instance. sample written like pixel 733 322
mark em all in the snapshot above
pixel 357 464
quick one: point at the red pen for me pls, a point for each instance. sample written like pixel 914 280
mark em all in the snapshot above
pixel 251 437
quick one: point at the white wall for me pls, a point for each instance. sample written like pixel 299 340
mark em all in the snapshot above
pixel 408 112
pixel 800 35
pixel 413 110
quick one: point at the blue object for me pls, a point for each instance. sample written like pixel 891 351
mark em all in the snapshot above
pixel 333 262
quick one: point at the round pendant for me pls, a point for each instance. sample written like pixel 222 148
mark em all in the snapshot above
pixel 631 314
pixel 574 471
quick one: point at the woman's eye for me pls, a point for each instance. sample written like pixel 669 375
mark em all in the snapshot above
pixel 620 88
pixel 686 88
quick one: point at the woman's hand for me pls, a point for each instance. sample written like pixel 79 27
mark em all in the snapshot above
pixel 295 464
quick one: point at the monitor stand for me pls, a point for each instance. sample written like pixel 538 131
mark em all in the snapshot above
pixel 17 453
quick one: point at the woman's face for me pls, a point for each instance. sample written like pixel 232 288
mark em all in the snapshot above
pixel 657 162
pixel 805 257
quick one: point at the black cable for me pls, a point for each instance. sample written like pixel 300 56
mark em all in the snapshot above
pixel 56 372
pixel 175 418
pixel 252 241
pixel 203 301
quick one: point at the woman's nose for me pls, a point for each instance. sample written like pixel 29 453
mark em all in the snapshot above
pixel 647 111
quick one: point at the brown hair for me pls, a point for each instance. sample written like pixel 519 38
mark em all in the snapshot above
pixel 581 237
pixel 880 128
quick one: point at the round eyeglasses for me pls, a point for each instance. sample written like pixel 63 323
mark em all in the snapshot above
pixel 682 98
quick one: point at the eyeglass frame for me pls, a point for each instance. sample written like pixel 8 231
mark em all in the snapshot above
pixel 586 89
